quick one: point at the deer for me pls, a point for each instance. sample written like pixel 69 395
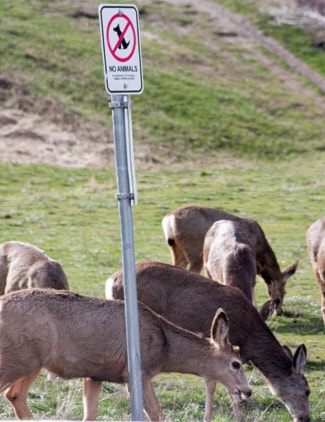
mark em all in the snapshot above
pixel 23 266
pixel 229 258
pixel 77 336
pixel 190 300
pixel 315 238
pixel 185 229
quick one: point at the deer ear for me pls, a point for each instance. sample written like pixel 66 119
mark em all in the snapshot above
pixel 289 271
pixel 300 358
pixel 220 327
pixel 287 351
pixel 268 308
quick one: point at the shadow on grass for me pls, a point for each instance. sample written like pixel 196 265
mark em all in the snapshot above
pixel 302 323
pixel 315 365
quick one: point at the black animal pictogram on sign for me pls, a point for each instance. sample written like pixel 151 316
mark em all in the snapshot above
pixel 123 44
pixel 121 37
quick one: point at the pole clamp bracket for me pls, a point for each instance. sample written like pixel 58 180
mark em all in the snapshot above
pixel 119 104
pixel 120 196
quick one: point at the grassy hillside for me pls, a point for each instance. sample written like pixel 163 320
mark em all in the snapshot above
pixel 227 133
pixel 203 92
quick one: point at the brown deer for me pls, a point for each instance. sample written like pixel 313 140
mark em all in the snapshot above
pixel 229 258
pixel 185 229
pixel 23 265
pixel 76 336
pixel 190 300
pixel 315 238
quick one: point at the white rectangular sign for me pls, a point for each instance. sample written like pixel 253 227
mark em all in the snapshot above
pixel 120 37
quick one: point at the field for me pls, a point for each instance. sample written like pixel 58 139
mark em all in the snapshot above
pixel 220 124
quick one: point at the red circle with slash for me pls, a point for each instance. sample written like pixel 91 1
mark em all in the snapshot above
pixel 117 46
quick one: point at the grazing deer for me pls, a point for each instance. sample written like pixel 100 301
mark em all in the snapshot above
pixel 190 300
pixel 229 258
pixel 23 265
pixel 315 238
pixel 185 229
pixel 76 336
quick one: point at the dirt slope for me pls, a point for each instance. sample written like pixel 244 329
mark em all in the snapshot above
pixel 26 138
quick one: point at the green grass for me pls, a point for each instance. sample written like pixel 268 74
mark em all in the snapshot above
pixel 73 215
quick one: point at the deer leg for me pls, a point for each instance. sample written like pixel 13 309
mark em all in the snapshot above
pixel 17 395
pixel 178 257
pixel 210 388
pixel 253 293
pixel 150 402
pixel 91 393
pixel 323 303
pixel 238 411
pixel 320 276
pixel 3 273
pixel 195 264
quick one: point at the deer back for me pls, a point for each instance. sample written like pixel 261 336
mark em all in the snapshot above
pixel 188 225
pixel 229 258
pixel 185 229
pixel 75 335
pixel 23 265
pixel 175 293
pixel 315 238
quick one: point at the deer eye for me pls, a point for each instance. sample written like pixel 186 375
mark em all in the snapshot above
pixel 235 365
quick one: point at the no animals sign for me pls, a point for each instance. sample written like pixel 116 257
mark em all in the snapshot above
pixel 119 28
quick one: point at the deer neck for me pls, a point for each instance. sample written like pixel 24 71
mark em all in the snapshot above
pixel 186 353
pixel 268 266
pixel 269 357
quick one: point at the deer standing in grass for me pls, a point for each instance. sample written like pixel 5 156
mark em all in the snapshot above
pixel 76 336
pixel 190 301
pixel 23 265
pixel 229 258
pixel 315 238
pixel 185 229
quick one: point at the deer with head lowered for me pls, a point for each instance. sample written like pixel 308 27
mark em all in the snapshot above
pixel 315 238
pixel 185 229
pixel 190 300
pixel 77 336
pixel 229 258
pixel 23 265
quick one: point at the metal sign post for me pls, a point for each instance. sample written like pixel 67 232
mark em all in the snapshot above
pixel 123 75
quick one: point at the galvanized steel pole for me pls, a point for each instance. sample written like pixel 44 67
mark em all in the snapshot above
pixel 118 105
